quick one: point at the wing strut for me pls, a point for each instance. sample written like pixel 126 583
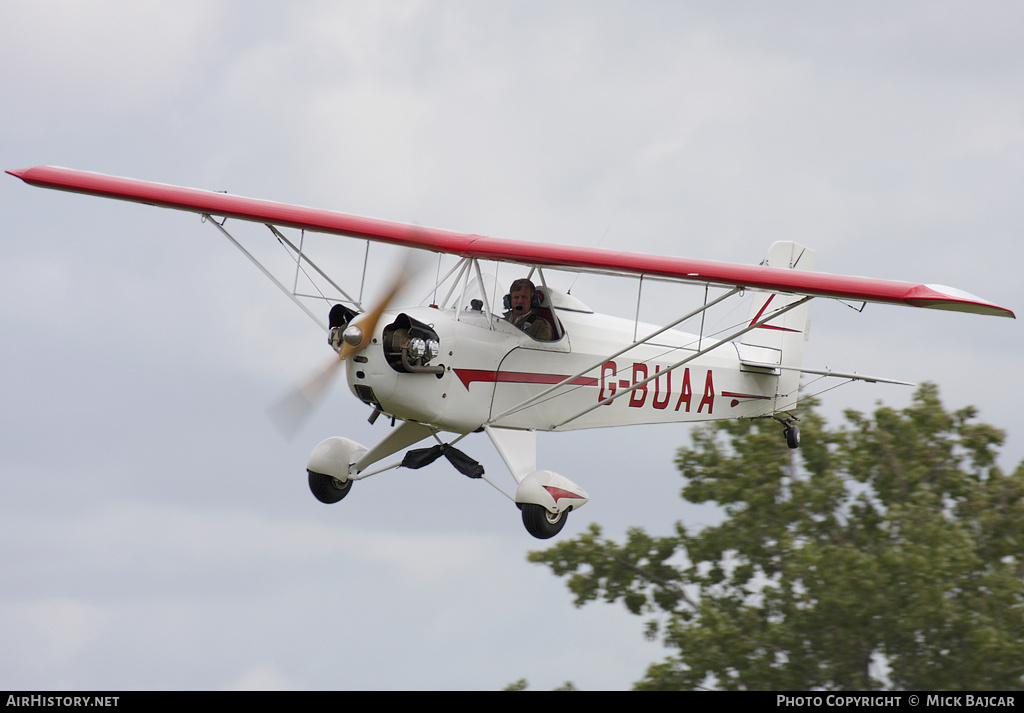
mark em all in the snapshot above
pixel 301 257
pixel 637 385
pixel 265 271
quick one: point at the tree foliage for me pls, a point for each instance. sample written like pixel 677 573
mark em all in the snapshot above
pixel 885 554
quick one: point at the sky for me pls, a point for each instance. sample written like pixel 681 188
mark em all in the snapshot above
pixel 156 531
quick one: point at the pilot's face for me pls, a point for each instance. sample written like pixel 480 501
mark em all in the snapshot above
pixel 521 299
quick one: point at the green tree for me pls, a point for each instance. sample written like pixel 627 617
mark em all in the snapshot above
pixel 886 554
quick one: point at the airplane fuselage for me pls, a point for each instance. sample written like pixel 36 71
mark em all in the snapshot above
pixel 490 367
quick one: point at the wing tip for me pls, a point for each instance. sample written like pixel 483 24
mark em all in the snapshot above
pixel 36 175
pixel 955 300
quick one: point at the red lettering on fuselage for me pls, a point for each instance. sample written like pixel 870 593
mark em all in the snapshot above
pixel 608 366
pixel 662 395
pixel 686 393
pixel 639 395
pixel 709 395
pixel 656 402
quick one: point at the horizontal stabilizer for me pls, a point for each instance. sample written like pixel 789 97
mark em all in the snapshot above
pixel 858 377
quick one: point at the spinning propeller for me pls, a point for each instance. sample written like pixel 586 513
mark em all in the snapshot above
pixel 291 412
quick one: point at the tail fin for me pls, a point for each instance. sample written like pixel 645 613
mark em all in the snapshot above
pixel 780 341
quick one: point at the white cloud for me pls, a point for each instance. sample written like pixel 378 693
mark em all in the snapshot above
pixel 65 628
pixel 101 61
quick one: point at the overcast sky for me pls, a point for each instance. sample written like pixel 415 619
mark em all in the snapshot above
pixel 157 532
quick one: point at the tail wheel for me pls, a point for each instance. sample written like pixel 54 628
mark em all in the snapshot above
pixel 792 433
pixel 541 523
pixel 328 489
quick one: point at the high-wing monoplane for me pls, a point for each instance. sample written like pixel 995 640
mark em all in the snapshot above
pixel 461 363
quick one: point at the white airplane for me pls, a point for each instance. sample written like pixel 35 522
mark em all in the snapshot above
pixel 461 364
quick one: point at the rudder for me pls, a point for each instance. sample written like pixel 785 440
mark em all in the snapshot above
pixel 780 341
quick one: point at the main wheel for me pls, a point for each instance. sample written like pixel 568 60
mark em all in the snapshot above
pixel 328 489
pixel 540 523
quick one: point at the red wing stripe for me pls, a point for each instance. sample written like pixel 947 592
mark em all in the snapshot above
pixel 468 376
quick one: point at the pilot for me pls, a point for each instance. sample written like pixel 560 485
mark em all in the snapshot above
pixel 522 311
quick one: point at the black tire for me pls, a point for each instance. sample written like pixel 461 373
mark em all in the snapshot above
pixel 328 489
pixel 792 434
pixel 540 523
